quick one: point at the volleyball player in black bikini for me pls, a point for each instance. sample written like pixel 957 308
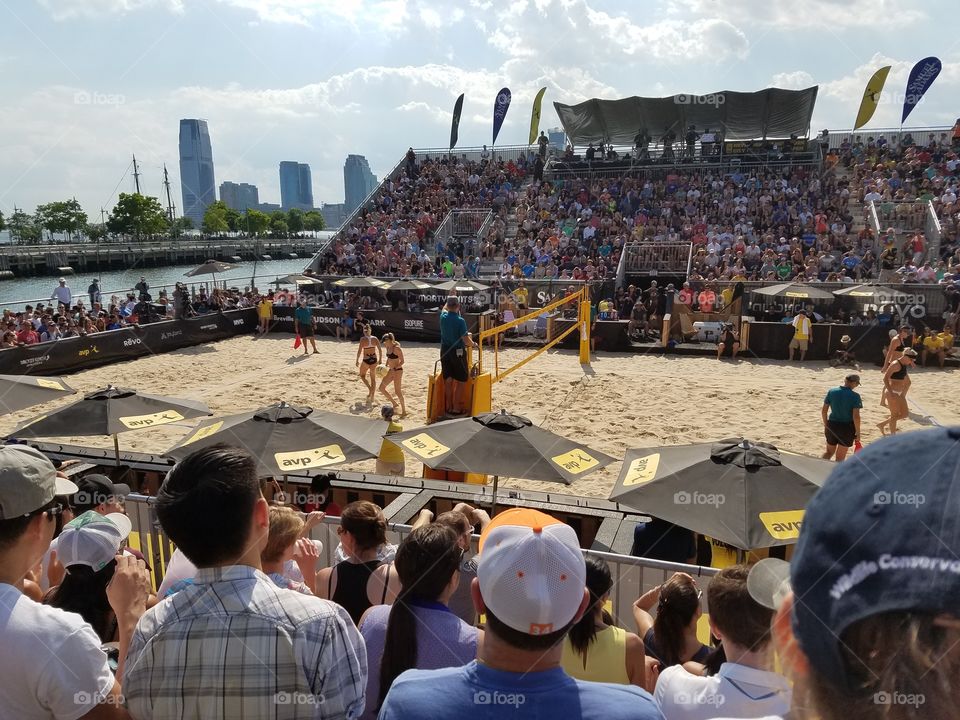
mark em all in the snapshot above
pixel 897 381
pixel 394 373
pixel 372 356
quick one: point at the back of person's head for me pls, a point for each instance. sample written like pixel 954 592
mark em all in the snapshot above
pixel 426 561
pixel 871 628
pixel 366 523
pixel 83 590
pixel 206 503
pixel 530 604
pixel 677 607
pixel 455 520
pixel 285 527
pixel 739 618
pixel 599 582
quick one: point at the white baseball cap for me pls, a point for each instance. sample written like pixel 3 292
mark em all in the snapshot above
pixel 531 571
pixel 92 539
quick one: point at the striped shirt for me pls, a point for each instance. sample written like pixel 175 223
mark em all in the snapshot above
pixel 234 646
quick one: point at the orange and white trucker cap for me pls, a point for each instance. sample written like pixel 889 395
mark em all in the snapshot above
pixel 531 571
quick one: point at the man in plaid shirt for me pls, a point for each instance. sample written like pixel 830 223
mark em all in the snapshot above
pixel 233 645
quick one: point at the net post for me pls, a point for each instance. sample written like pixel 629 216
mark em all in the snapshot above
pixel 584 326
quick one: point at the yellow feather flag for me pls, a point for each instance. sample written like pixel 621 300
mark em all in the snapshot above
pixel 871 96
pixel 535 117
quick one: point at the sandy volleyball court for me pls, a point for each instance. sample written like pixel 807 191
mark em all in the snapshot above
pixel 622 401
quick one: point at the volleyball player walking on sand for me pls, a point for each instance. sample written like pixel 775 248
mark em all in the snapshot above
pixel 896 382
pixel 394 373
pixel 372 354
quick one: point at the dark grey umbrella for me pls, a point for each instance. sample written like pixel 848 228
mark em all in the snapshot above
pixel 746 494
pixel 296 279
pixel 798 291
pixel 22 391
pixel 287 438
pixel 500 444
pixel 211 267
pixel 111 411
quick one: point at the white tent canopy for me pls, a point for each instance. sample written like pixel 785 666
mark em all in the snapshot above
pixel 770 113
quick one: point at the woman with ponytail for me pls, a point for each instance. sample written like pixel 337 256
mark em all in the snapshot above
pixel 418 630
pixel 597 650
pixel 671 637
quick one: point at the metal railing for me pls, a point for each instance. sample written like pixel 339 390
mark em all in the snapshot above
pixel 658 257
pixel 933 234
pixel 476 154
pixel 920 135
pixel 632 576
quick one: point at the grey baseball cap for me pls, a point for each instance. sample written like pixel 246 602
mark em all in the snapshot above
pixel 28 481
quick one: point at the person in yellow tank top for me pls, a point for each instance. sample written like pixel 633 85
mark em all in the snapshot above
pixel 597 650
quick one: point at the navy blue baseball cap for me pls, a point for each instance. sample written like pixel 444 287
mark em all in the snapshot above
pixel 882 535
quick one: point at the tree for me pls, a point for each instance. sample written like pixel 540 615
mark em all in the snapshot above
pixel 314 222
pixel 181 224
pixel 278 224
pixel 65 217
pixel 234 220
pixel 23 228
pixel 295 220
pixel 137 214
pixel 215 218
pixel 2 225
pixel 256 222
pixel 95 231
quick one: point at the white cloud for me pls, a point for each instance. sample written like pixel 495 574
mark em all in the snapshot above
pixel 796 80
pixel 791 15
pixel 69 9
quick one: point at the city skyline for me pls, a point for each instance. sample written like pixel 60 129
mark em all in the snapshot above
pixel 87 83
pixel 358 181
pixel 296 185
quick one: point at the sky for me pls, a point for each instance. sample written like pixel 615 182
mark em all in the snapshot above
pixel 88 83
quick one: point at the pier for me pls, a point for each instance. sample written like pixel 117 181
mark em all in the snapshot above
pixel 65 259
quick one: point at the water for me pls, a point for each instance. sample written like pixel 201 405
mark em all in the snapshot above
pixel 22 290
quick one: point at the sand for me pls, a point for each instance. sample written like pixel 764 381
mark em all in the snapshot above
pixel 622 401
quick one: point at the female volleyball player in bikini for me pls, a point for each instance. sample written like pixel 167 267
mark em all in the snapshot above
pixel 372 355
pixel 394 373
pixel 897 382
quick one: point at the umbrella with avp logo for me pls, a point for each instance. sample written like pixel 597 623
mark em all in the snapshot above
pixel 111 411
pixel 360 282
pixel 747 494
pixel 289 438
pixel 502 445
pixel 794 290
pixel 22 391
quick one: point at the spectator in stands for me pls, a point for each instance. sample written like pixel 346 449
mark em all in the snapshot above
pixel 670 638
pixel 530 605
pixel 52 665
pixel 418 630
pixel 595 648
pixel 869 570
pixel 259 640
pixel 320 498
pixel 286 543
pixel 362 579
pixel 87 548
pixel 745 685
pixel 9 339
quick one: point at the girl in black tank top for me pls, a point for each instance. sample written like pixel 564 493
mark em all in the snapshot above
pixel 352 581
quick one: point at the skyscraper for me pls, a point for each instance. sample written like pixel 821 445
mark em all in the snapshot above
pixel 358 181
pixel 197 181
pixel 239 196
pixel 296 185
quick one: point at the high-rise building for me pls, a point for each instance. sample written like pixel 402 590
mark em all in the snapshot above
pixel 296 186
pixel 197 181
pixel 358 181
pixel 239 196
pixel 334 215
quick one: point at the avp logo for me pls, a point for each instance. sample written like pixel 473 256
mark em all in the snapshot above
pixel 238 321
pixel 414 324
pixel 132 341
pixel 88 351
pixel 171 334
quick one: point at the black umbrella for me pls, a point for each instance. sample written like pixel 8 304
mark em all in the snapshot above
pixel 111 411
pixel 746 494
pixel 285 438
pixel 22 391
pixel 799 291
pixel 211 267
pixel 500 444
